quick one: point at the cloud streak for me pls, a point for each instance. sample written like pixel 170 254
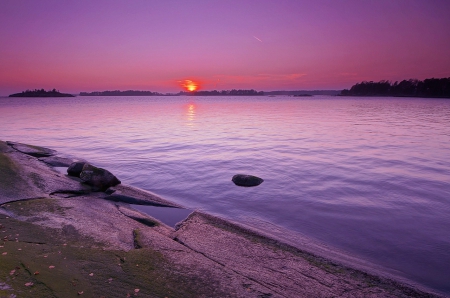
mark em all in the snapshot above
pixel 257 38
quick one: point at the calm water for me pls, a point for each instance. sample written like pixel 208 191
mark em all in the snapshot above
pixel 370 177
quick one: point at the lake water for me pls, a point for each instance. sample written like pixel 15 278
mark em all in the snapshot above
pixel 367 176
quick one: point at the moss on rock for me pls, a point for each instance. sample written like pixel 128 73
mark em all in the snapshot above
pixel 44 262
pixel 35 207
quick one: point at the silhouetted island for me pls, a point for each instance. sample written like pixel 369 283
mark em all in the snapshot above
pixel 436 88
pixel 41 93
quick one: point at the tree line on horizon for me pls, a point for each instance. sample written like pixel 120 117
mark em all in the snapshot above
pixel 233 92
pixel 439 88
pixel 121 93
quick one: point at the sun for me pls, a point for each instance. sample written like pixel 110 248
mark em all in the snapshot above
pixel 190 85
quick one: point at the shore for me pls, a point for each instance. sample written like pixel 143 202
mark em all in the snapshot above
pixel 60 238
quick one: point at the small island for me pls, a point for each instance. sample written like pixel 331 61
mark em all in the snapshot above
pixel 41 93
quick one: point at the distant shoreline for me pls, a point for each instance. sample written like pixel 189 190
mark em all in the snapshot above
pixel 233 92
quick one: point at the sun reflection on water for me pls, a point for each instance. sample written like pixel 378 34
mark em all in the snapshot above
pixel 190 114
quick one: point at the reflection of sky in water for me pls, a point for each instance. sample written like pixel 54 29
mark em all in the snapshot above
pixel 369 176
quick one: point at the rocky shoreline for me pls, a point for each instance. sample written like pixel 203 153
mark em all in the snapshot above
pixel 61 237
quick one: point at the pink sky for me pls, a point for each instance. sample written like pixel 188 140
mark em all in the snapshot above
pixel 265 45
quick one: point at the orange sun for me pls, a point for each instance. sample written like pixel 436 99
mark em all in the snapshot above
pixel 190 85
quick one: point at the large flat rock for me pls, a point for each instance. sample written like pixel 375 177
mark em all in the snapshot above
pixel 24 177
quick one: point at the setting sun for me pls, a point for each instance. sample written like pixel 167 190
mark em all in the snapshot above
pixel 190 85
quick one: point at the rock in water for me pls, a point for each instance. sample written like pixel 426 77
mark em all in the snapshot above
pixel 75 168
pixel 98 177
pixel 246 180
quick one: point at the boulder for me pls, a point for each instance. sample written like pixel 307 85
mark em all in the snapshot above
pixel 246 180
pixel 75 168
pixel 97 177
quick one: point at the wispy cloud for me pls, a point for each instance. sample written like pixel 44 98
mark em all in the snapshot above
pixel 257 38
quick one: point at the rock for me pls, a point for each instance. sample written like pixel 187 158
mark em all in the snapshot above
pixel 75 168
pixel 144 197
pixel 35 151
pixel 134 201
pixel 98 177
pixel 246 180
pixel 56 161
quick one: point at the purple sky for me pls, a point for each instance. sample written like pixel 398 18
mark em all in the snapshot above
pixel 78 46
